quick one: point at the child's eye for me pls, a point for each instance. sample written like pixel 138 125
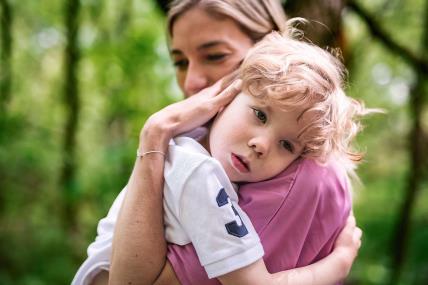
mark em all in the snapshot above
pixel 287 145
pixel 260 115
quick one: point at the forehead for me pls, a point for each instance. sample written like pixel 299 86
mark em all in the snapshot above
pixel 196 27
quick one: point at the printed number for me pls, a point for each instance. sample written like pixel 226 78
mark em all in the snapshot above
pixel 232 228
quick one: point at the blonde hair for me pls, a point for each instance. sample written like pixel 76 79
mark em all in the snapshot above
pixel 256 18
pixel 297 74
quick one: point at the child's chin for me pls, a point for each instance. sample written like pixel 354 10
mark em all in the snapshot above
pixel 234 178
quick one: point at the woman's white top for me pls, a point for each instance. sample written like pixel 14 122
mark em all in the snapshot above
pixel 200 206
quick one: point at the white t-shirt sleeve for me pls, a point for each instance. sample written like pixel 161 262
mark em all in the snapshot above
pixel 222 234
pixel 99 251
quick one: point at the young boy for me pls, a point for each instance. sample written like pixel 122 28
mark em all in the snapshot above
pixel 291 105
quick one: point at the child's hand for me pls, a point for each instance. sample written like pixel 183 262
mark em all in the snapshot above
pixel 348 243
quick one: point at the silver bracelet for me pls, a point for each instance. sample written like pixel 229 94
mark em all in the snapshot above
pixel 140 154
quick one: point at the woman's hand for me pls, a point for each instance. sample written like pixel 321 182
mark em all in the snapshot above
pixel 348 243
pixel 186 115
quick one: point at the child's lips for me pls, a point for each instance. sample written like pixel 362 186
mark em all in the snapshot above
pixel 240 163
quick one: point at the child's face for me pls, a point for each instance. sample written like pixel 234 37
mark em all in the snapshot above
pixel 253 140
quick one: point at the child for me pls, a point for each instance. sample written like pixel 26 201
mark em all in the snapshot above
pixel 292 105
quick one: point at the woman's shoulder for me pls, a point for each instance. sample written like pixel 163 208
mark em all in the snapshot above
pixel 307 179
pixel 326 186
pixel 301 190
pixel 311 174
pixel 305 174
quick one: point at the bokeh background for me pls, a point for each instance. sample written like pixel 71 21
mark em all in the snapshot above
pixel 78 79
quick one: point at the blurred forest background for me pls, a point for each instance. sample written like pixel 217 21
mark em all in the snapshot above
pixel 79 78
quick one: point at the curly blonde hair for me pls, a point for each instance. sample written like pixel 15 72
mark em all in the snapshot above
pixel 297 74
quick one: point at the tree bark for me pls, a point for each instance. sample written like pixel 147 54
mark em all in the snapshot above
pixel 72 106
pixel 5 89
pixel 5 54
pixel 163 5
pixel 415 177
pixel 325 18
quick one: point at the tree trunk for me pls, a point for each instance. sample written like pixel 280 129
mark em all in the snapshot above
pixel 163 5
pixel 72 106
pixel 325 17
pixel 5 55
pixel 5 87
pixel 418 96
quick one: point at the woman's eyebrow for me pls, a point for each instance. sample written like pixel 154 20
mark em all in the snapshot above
pixel 210 44
pixel 203 46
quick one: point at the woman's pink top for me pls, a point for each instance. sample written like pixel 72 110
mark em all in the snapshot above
pixel 298 215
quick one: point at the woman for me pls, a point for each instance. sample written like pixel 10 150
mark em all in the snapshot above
pixel 208 41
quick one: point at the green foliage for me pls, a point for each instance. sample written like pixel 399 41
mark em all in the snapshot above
pixel 125 75
pixel 383 79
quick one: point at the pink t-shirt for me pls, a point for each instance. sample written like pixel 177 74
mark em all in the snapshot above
pixel 297 214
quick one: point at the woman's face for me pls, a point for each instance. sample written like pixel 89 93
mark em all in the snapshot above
pixel 204 49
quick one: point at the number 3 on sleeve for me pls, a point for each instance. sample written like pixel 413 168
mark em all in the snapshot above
pixel 232 228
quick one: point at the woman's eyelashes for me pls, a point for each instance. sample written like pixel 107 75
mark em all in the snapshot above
pixel 260 115
pixel 216 57
pixel 181 64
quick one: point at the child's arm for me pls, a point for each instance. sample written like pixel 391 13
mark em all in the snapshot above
pixel 330 270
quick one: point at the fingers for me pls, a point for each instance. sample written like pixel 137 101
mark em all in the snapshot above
pixel 351 221
pixel 356 231
pixel 228 79
pixel 350 226
pixel 220 86
pixel 357 237
pixel 227 95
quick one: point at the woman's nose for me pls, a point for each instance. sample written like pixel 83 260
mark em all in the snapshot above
pixel 196 80
pixel 260 145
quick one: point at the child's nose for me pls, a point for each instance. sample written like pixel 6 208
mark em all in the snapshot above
pixel 260 145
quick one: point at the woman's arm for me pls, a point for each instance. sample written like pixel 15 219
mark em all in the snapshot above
pixel 101 278
pixel 139 246
pixel 141 214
